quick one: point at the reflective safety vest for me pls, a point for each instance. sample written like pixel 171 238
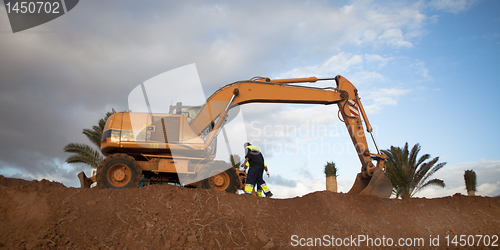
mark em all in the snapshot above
pixel 252 147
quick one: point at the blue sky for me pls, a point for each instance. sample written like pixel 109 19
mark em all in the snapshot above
pixel 427 72
pixel 443 82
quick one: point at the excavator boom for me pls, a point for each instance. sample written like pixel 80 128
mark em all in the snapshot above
pixel 371 180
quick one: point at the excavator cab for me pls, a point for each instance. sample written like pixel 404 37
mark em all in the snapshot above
pixel 188 111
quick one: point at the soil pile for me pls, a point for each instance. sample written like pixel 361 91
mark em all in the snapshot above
pixel 47 215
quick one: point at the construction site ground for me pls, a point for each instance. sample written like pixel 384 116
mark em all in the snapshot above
pixel 48 215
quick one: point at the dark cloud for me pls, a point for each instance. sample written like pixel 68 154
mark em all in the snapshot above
pixel 279 180
pixel 61 77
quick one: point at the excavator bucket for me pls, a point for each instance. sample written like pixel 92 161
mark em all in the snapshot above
pixel 378 185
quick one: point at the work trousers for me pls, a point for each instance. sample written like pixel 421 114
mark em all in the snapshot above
pixel 254 177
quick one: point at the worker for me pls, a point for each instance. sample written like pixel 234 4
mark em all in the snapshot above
pixel 255 160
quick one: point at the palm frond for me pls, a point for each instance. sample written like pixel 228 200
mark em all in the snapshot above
pixel 83 153
pixel 433 170
pixel 93 136
pixel 424 169
pixel 413 155
pixel 433 182
pixel 407 174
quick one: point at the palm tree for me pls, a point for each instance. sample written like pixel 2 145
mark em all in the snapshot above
pixel 83 153
pixel 409 175
pixel 331 176
pixel 470 182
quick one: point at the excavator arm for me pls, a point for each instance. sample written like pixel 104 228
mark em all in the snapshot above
pixel 371 180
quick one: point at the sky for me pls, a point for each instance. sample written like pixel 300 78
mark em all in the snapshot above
pixel 427 72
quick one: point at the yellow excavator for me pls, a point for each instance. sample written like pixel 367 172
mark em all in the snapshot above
pixel 179 147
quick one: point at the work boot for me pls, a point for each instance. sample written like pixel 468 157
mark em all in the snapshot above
pixel 269 194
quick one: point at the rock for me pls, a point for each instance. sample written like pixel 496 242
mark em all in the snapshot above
pixel 269 245
pixel 262 237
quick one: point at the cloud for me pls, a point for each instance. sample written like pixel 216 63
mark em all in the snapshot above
pixel 453 6
pixel 367 78
pixel 395 38
pixel 489 189
pixel 290 126
pixel 487 173
pixel 377 61
pixel 342 62
pixel 280 181
pixel 297 187
pixel 384 97
pixel 358 66
pixel 421 70
pixel 54 170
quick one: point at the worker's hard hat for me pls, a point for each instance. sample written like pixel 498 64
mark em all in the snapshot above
pixel 247 144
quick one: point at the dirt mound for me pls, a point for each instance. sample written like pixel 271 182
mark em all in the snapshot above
pixel 11 182
pixel 47 215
